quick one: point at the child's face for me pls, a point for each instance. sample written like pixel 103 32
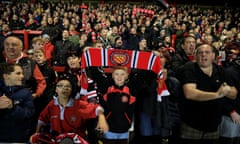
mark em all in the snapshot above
pixel 64 89
pixel 37 45
pixel 119 76
pixel 39 58
pixel 14 78
pixel 73 62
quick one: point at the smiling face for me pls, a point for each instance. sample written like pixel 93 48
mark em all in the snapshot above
pixel 13 47
pixel 73 62
pixel 120 75
pixel 14 78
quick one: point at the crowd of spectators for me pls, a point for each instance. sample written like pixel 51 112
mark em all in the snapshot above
pixel 178 29
pixel 154 22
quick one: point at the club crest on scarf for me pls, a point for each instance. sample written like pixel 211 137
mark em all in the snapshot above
pixel 119 58
pixel 131 59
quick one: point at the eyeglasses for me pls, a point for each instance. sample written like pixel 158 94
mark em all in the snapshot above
pixel 64 86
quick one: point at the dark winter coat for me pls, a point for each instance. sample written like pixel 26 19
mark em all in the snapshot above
pixel 14 122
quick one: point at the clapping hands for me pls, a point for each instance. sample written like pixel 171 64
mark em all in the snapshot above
pixel 5 102
pixel 224 90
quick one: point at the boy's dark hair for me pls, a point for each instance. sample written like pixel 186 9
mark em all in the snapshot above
pixel 6 68
pixel 73 52
pixel 69 78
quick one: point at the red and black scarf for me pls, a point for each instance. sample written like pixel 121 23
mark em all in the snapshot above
pixel 128 58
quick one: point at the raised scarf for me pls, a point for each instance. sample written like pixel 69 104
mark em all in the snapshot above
pixel 128 58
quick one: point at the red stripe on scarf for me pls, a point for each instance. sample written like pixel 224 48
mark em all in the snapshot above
pixel 96 57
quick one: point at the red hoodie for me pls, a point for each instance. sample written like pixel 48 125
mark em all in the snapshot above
pixel 48 51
